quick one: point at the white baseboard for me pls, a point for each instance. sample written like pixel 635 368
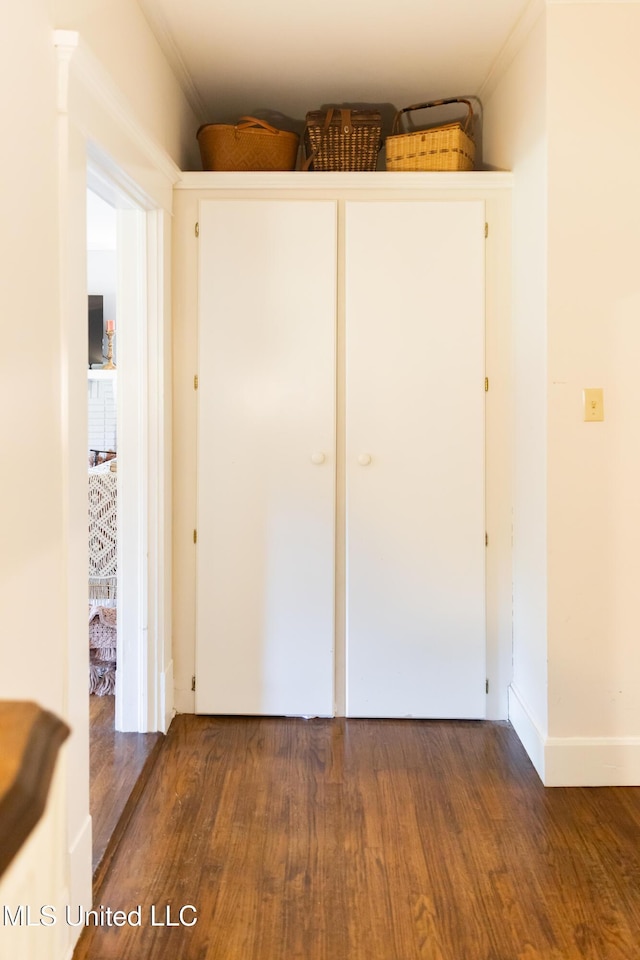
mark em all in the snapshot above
pixel 80 857
pixel 80 874
pixel 185 701
pixel 530 735
pixel 166 697
pixel 575 761
pixel 592 762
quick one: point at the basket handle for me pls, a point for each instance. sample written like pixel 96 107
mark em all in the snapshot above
pixel 246 122
pixel 345 123
pixel 345 119
pixel 397 127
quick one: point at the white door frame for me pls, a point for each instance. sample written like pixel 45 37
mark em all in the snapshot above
pixel 96 126
pixel 134 264
pixel 127 169
pixel 132 680
pixel 139 270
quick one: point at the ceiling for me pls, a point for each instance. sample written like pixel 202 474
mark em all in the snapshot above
pixel 269 57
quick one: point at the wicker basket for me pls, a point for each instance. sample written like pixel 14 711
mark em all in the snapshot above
pixel 446 147
pixel 342 139
pixel 251 144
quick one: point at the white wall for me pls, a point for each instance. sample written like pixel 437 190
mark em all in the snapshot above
pixel 32 551
pixel 102 270
pixel 33 558
pixel 515 139
pixel 43 650
pixel 594 341
pixel 102 407
pixel 561 115
pixel 102 279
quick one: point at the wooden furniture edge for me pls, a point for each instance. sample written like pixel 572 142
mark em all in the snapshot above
pixel 30 738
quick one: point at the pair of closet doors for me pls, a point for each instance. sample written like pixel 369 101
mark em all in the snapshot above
pixel 391 295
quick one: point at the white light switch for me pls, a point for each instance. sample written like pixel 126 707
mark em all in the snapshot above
pixel 593 403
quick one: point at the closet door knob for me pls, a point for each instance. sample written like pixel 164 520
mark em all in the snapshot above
pixel 364 459
pixel 317 458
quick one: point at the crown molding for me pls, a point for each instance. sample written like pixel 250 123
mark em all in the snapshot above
pixel 514 43
pixel 162 32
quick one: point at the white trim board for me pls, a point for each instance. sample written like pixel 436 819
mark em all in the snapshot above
pixel 80 859
pixel 556 3
pixel 166 709
pixel 528 731
pixel 84 86
pixel 340 183
pixel 576 761
pixel 592 762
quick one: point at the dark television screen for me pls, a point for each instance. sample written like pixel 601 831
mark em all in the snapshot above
pixel 96 328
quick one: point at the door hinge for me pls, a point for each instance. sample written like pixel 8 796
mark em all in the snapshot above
pixel 486 539
pixel 486 384
pixel 196 382
pixel 486 685
pixel 193 683
pixel 195 536
pixel 486 230
pixel 197 229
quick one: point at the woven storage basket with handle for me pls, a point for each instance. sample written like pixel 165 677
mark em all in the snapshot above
pixel 448 146
pixel 251 144
pixel 342 139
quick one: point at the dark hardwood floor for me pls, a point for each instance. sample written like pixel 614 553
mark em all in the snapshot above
pixel 368 840
pixel 117 761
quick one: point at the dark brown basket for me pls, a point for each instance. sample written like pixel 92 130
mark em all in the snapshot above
pixel 250 144
pixel 342 139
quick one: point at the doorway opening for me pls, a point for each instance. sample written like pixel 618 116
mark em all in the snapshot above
pixel 118 502
pixel 102 422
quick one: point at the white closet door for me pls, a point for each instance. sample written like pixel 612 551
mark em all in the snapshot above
pixel 266 453
pixel 415 459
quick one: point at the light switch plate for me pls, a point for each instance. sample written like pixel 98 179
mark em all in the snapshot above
pixel 593 403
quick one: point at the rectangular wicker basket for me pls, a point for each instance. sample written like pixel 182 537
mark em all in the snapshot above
pixel 342 139
pixel 250 144
pixel 448 146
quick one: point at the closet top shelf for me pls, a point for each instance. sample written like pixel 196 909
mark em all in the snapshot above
pixel 379 180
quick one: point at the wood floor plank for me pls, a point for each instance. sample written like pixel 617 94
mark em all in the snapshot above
pixel 369 840
pixel 116 762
